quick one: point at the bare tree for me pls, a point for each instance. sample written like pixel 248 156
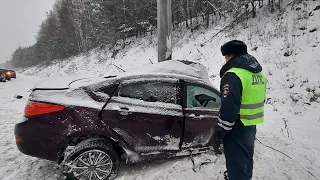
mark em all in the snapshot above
pixel 279 4
pixel 272 6
pixel 260 3
pixel 253 8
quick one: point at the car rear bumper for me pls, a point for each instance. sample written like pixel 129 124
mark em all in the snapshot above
pixel 36 140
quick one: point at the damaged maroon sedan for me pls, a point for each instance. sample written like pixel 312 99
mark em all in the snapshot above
pixel 91 125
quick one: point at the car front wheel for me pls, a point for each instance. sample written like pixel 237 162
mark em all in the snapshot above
pixel 92 159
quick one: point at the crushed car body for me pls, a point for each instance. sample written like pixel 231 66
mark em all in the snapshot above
pixel 160 111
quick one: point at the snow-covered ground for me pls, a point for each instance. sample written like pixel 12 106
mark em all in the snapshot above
pixel 292 123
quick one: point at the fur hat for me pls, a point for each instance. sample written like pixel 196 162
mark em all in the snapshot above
pixel 234 48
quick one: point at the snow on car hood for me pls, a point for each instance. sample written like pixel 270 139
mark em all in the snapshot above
pixel 67 82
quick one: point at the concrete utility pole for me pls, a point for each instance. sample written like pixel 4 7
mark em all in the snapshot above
pixel 164 30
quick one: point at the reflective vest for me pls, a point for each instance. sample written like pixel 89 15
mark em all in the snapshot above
pixel 253 96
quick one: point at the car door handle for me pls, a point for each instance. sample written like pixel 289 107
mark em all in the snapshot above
pixel 196 116
pixel 124 111
pixel 124 108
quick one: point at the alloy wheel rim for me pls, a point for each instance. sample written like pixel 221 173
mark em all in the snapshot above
pixel 92 165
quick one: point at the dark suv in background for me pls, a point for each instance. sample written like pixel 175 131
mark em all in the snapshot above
pixel 91 125
pixel 2 76
pixel 9 74
pixel 12 73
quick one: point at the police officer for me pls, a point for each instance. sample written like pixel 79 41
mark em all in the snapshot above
pixel 243 91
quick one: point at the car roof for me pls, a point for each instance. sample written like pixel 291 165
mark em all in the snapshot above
pixel 192 72
pixel 180 69
pixel 162 76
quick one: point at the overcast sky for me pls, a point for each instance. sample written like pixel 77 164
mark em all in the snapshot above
pixel 19 23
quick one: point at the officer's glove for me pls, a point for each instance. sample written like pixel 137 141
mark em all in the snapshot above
pixel 217 143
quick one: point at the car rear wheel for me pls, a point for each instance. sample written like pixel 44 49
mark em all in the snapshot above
pixel 92 159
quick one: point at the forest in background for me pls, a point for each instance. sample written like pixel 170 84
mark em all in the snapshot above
pixel 78 26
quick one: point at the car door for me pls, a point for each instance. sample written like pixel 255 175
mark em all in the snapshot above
pixel 147 114
pixel 202 105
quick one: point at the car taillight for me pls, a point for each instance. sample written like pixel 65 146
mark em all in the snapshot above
pixel 36 108
pixel 19 140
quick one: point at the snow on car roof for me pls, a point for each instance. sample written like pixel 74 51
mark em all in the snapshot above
pixel 177 68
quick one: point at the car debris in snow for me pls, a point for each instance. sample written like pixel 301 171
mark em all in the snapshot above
pixel 18 96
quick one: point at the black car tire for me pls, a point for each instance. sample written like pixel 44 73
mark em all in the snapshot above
pixel 8 78
pixel 89 145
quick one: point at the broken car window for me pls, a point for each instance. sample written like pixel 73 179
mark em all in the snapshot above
pixel 199 97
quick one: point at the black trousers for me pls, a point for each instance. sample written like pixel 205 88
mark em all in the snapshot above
pixel 239 150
